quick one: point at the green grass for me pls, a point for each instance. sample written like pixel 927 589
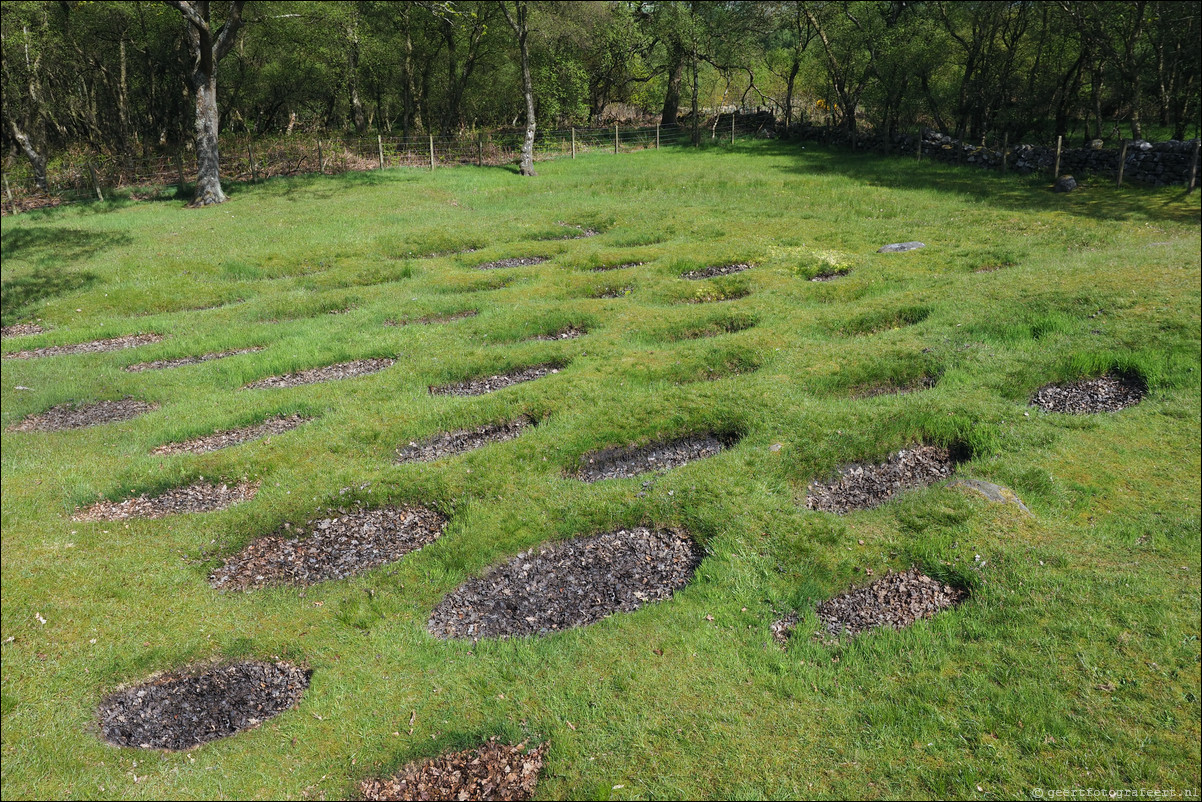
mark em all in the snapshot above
pixel 1074 664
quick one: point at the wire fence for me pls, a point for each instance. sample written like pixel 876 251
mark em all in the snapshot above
pixel 80 174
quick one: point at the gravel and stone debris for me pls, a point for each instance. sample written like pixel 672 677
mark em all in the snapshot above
pixel 901 247
pixel 782 628
pixel 613 292
pixel 448 444
pixel 623 462
pixel 72 416
pixel 21 330
pixel 716 270
pixel 184 710
pixel 233 437
pixel 894 600
pixel 488 384
pixel 343 370
pixel 160 364
pixel 830 275
pixel 197 497
pixel 569 584
pixel 604 268
pixel 493 771
pixel 567 333
pixel 515 261
pixel 1104 394
pixel 93 347
pixel 428 319
pixel 347 543
pixel 861 487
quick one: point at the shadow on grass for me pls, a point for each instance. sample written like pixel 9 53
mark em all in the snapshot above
pixel 20 294
pixel 1097 197
pixel 51 247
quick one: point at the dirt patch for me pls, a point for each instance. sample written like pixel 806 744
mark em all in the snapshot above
pixel 180 711
pixel 488 384
pixel 449 444
pixel 782 629
pixel 160 364
pixel 626 461
pixel 71 416
pixel 21 330
pixel 96 346
pixel 1104 394
pixel 604 268
pixel 566 333
pixel 894 600
pixel 198 497
pixel 233 437
pixel 861 487
pixel 428 319
pixel 830 275
pixel 343 370
pixel 494 771
pixel 873 390
pixel 347 543
pixel 612 292
pixel 516 261
pixel 716 270
pixel 569 584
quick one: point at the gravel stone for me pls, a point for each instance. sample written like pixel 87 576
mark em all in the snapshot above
pixel 862 487
pixel 1104 394
pixel 604 268
pixel 516 261
pixel 70 416
pixel 494 771
pixel 448 444
pixel 233 437
pixel 900 247
pixel 348 543
pixel 198 497
pixel 568 333
pixel 160 364
pixel 21 330
pixel 343 370
pixel 830 275
pixel 488 384
pixel 569 584
pixel 894 600
pixel 782 629
pixel 96 346
pixel 180 711
pixel 623 462
pixel 428 319
pixel 716 270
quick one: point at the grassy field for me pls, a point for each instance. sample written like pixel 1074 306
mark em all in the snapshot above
pixel 1075 663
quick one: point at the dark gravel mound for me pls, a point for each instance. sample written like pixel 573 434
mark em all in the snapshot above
pixel 830 275
pixel 517 261
pixel 349 543
pixel 160 364
pixel 494 771
pixel 449 444
pixel 343 370
pixel 569 584
pixel 21 330
pixel 873 390
pixel 568 333
pixel 428 319
pixel 604 268
pixel 622 462
pixel 861 487
pixel 894 600
pixel 488 384
pixel 233 437
pixel 716 270
pixel 96 346
pixel 70 416
pixel 198 497
pixel 177 711
pixel 1104 394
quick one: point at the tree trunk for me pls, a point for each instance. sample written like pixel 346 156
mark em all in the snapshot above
pixel 671 108
pixel 520 27
pixel 208 175
pixel 37 159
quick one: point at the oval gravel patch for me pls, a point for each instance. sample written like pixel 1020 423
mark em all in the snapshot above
pixel 95 346
pixel 180 711
pixel 1089 396
pixel 569 584
pixel 623 462
pixel 343 370
pixel 493 771
pixel 197 497
pixel 488 384
pixel 161 364
pixel 860 487
pixel 79 416
pixel 448 444
pixel 233 437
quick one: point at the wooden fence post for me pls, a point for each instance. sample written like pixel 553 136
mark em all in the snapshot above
pixel 732 128
pixel 431 152
pixel 1005 150
pixel 615 137
pixel 657 135
pixel 250 157
pixel 1193 169
pixel 1122 162
pixel 1056 169
pixel 479 150
pixel 95 181
pixel 321 162
pixel 573 142
pixel 380 149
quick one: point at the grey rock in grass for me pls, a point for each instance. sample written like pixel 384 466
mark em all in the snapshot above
pixel 996 493
pixel 900 247
pixel 1065 183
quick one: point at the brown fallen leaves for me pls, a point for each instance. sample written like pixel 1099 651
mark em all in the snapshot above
pixel 494 771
